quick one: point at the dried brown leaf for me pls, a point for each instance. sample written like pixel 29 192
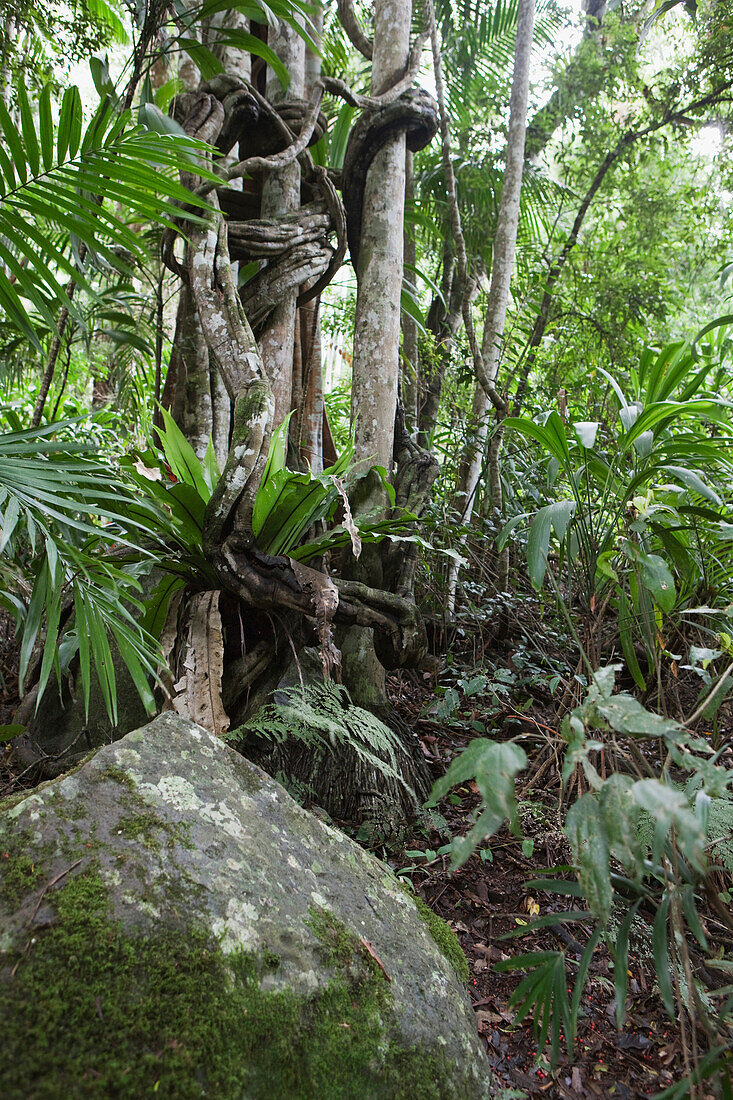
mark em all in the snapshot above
pixel 199 689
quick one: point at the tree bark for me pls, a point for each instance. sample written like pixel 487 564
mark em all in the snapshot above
pixel 504 250
pixel 380 265
pixel 409 371
pixel 281 196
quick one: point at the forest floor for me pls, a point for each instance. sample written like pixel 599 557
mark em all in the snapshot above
pixel 489 904
pixel 510 689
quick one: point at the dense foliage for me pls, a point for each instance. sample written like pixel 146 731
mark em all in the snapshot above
pixel 601 448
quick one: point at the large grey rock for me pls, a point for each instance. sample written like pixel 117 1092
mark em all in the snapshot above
pixel 60 732
pixel 172 921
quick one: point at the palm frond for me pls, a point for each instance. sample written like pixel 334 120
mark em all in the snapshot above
pixel 107 16
pixel 61 509
pixel 62 186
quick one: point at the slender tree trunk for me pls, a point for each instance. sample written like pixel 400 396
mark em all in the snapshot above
pixel 504 250
pixel 409 366
pixel 376 369
pixel 308 327
pixel 281 195
pixel 380 266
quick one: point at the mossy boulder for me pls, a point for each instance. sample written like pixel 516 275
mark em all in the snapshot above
pixel 171 921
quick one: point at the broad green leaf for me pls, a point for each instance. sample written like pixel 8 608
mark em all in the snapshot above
pixel 158 603
pixel 181 456
pixel 53 618
pixel 207 62
pixel 135 669
pixel 14 143
pixel 509 526
pixel 210 467
pixel 669 809
pixel 604 568
pixel 657 578
pixel 7 733
pixel 627 716
pixel 276 457
pixel 557 516
pixel 9 521
pixel 692 480
pixel 552 437
pixel 32 624
pixel 248 43
pixel 692 917
pixel 494 767
pixel 620 816
pixel 82 633
pixel 28 126
pixel 69 127
pixel 627 637
pixel 585 829
pixel 643 444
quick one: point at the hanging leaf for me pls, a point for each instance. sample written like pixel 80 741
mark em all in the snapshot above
pixel 586 431
pixel 586 830
pixel 657 578
pixel 555 516
pixel 493 766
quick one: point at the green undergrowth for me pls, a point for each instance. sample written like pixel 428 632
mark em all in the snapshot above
pixel 442 933
pixel 91 1010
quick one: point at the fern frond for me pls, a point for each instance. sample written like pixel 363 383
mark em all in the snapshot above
pixel 323 717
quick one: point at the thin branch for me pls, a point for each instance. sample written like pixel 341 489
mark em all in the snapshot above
pixel 354 33
pixel 374 102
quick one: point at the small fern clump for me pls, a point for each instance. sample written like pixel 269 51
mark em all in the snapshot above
pixel 720 831
pixel 322 716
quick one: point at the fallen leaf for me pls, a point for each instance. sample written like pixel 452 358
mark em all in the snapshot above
pixel 199 691
pixel 485 1020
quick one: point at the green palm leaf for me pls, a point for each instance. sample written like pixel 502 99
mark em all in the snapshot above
pixel 54 193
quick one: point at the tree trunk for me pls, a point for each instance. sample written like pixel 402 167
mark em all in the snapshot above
pixel 376 370
pixel 379 270
pixel 380 263
pixel 409 373
pixel 281 196
pixel 504 249
pixel 271 597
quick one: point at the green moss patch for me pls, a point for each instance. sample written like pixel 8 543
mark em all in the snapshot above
pixel 144 826
pixel 19 874
pixel 89 1009
pixel 442 933
pixel 115 774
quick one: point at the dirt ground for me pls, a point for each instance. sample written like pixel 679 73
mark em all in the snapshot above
pixel 488 904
